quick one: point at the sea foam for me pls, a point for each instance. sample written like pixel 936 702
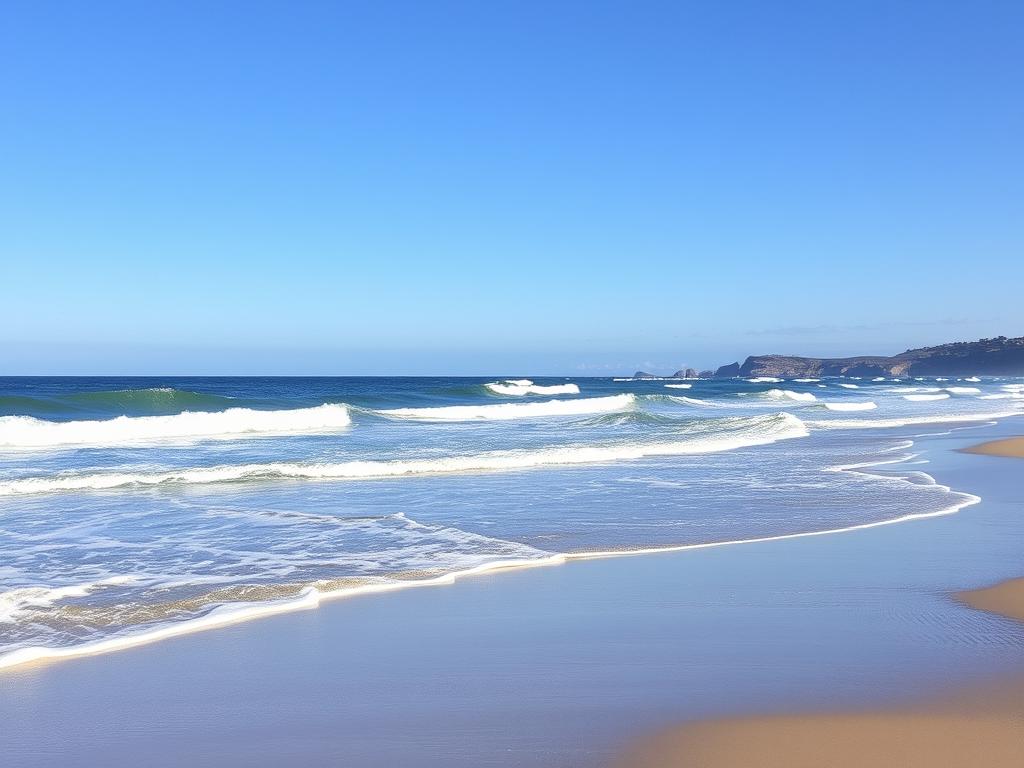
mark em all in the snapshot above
pixel 709 437
pixel 30 432
pixel 865 406
pixel 521 387
pixel 505 411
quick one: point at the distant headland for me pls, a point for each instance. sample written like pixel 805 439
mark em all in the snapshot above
pixel 999 356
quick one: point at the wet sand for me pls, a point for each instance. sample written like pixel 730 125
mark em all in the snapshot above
pixel 984 726
pixel 954 739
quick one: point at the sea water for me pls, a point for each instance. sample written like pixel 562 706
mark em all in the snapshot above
pixel 133 509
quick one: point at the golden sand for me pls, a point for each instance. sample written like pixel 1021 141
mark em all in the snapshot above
pixel 1011 446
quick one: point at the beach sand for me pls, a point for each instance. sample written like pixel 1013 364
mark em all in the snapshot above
pixel 959 738
pixel 1011 446
pixel 1005 598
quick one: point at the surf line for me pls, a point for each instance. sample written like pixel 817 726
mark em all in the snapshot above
pixel 310 597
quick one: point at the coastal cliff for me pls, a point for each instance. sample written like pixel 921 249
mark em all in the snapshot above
pixel 999 356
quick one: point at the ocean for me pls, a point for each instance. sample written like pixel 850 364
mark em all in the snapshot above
pixel 133 509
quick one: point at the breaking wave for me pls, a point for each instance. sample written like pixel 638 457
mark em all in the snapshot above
pixel 505 411
pixel 30 432
pixel 865 406
pixel 706 437
pixel 521 387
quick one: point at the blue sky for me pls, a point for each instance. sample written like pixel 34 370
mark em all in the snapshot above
pixel 514 187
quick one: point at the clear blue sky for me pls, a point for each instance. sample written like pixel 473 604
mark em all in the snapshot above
pixel 503 187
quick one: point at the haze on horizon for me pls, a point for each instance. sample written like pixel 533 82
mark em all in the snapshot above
pixel 581 188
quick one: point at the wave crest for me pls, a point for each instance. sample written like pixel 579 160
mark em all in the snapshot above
pixel 709 436
pixel 521 387
pixel 30 432
pixel 505 411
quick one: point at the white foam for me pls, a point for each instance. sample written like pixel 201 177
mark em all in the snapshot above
pixel 972 379
pixel 786 394
pixel 925 398
pixel 29 432
pixel 879 378
pixel 907 421
pixel 805 381
pixel 735 433
pixel 849 386
pixel 964 390
pixel 15 601
pixel 235 613
pixel 679 386
pixel 505 411
pixel 865 406
pixel 521 387
pixel 764 380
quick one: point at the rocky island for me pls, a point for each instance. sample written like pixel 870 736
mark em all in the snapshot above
pixel 999 356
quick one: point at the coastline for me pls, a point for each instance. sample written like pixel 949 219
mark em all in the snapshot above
pixel 582 660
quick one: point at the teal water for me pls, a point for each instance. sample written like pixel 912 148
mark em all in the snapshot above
pixel 135 508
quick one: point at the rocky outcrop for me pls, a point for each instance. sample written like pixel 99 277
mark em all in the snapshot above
pixel 999 356
pixel 644 375
pixel 685 373
pixel 727 371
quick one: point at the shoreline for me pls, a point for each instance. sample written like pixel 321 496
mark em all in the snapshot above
pixel 432 678
pixel 310 597
pixel 972 727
